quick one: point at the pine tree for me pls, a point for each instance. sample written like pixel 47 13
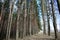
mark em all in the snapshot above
pixel 43 12
pixel 54 19
pixel 9 21
pixel 48 15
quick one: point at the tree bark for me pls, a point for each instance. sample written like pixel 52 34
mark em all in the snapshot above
pixel 25 15
pixel 9 21
pixel 42 5
pixel 54 20
pixel 48 15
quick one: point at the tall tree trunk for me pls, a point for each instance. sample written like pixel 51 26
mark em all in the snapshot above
pixel 2 20
pixel 54 20
pixel 2 16
pixel 18 20
pixel 48 20
pixel 17 31
pixel 43 12
pixel 27 20
pixel 58 2
pixel 9 21
pixel 23 20
pixel 25 15
pixel 30 18
pixel 48 15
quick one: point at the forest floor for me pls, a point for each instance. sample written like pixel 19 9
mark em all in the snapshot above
pixel 52 34
pixel 40 36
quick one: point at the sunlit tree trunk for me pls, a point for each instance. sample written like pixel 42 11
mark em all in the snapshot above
pixel 22 22
pixel 18 19
pixel 9 21
pixel 25 15
pixel 43 12
pixel 30 18
pixel 17 31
